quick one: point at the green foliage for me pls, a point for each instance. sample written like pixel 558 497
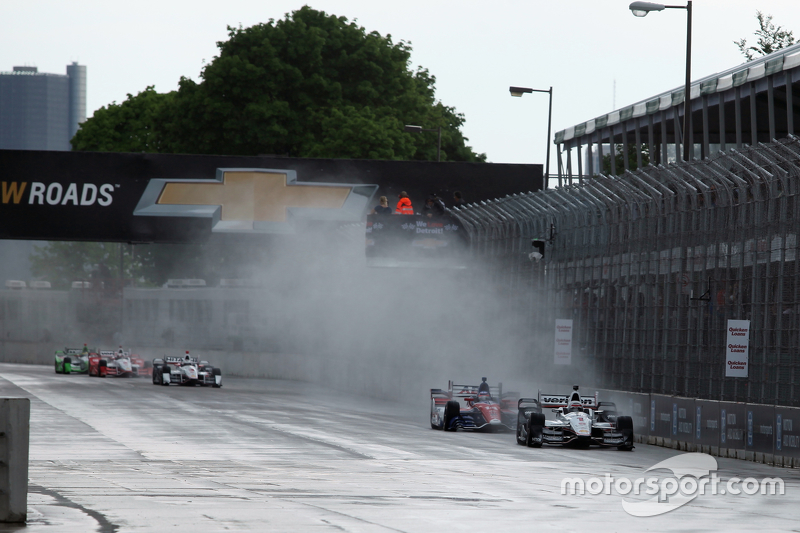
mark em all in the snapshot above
pixel 61 263
pixel 770 38
pixel 132 126
pixel 620 162
pixel 309 85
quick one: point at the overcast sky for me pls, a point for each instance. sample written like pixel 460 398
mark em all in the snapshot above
pixel 476 49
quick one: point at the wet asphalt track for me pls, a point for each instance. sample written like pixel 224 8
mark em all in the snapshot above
pixel 118 455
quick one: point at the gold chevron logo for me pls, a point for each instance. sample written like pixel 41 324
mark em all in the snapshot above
pixel 253 196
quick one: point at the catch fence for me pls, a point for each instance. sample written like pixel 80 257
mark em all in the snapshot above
pixel 652 264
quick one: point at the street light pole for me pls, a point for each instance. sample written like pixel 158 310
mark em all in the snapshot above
pixel 641 9
pixel 518 92
pixel 687 109
pixel 419 129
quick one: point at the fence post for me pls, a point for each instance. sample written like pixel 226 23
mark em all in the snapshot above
pixel 15 414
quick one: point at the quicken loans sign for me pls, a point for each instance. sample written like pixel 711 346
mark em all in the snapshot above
pixel 736 350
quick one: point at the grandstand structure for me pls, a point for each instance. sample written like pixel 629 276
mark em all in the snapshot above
pixel 752 103
pixel 652 264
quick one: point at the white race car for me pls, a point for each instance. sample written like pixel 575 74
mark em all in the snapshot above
pixel 186 370
pixel 578 421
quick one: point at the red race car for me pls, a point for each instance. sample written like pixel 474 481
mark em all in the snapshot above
pixel 119 363
pixel 473 407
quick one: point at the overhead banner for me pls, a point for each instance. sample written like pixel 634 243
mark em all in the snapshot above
pixel 179 198
pixel 415 240
pixel 563 349
pixel 736 350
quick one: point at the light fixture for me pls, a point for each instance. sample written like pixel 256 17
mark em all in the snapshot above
pixel 519 91
pixel 641 9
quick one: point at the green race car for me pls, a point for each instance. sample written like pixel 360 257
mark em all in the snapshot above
pixel 72 361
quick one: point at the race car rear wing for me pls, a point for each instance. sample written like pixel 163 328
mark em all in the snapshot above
pixel 562 400
pixel 469 391
pixel 73 351
pixel 178 360
pixel 455 390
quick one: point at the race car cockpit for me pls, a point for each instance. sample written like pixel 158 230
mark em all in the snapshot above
pixel 483 397
pixel 574 405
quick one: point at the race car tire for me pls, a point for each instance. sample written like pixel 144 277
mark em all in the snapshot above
pixel 216 372
pixel 625 426
pixel 156 375
pixel 451 410
pixel 520 425
pixel 55 367
pixel 535 426
pixel 100 366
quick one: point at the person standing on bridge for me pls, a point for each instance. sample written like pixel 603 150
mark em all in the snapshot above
pixel 404 205
pixel 383 208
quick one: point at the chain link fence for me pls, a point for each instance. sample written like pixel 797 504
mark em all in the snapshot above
pixel 652 264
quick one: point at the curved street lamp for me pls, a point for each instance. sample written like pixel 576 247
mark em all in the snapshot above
pixel 641 9
pixel 419 129
pixel 519 91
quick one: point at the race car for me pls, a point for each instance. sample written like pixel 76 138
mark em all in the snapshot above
pixel 579 421
pixel 186 370
pixel 475 407
pixel 114 363
pixel 72 360
pixel 145 368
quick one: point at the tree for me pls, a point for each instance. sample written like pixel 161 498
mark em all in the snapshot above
pixel 61 263
pixel 770 38
pixel 132 126
pixel 632 160
pixel 309 85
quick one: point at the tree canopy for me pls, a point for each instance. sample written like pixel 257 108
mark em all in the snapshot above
pixel 770 38
pixel 619 158
pixel 309 85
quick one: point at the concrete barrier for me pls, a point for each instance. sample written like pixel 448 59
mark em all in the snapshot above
pixel 15 415
pixel 753 432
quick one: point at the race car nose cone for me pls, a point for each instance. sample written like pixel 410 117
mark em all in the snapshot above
pixel 495 421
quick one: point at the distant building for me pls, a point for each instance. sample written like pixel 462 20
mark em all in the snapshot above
pixel 38 111
pixel 41 111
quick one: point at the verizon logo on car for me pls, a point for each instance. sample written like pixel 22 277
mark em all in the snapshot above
pixel 55 193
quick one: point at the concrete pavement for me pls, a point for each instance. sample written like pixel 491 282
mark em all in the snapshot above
pixel 120 455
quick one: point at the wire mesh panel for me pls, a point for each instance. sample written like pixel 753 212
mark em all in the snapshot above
pixel 652 265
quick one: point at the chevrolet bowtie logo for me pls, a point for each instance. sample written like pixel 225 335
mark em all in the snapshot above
pixel 254 200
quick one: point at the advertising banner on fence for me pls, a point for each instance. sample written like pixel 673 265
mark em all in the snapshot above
pixel 733 425
pixel 563 348
pixel 707 426
pixel 760 430
pixel 736 348
pixel 787 436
